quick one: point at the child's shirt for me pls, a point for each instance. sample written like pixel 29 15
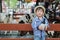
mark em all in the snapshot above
pixel 35 24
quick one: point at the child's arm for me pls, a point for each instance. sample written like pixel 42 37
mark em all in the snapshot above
pixel 44 26
pixel 40 27
pixel 34 25
pixel 47 24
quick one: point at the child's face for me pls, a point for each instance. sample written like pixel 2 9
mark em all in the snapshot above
pixel 40 13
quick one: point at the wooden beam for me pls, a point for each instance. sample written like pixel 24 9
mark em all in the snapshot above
pixel 21 27
pixel 27 38
pixel 26 27
pixel 54 27
pixel 16 39
pixel 18 14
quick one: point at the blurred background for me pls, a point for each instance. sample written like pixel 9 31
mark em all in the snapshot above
pixel 22 11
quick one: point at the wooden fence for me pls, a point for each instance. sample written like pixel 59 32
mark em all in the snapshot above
pixel 26 27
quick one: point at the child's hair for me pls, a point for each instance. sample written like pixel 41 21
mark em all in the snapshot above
pixel 38 8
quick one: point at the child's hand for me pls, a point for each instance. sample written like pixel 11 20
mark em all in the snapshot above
pixel 42 27
pixel 45 28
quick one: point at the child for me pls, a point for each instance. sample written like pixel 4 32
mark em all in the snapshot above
pixel 39 23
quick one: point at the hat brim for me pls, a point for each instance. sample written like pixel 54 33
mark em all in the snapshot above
pixel 38 7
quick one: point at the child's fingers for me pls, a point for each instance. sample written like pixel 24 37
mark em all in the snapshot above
pixel 41 28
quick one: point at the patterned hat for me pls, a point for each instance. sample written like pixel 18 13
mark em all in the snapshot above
pixel 38 7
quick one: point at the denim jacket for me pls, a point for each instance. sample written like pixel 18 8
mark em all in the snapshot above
pixel 35 23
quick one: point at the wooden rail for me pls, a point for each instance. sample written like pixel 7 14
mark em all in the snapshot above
pixel 27 38
pixel 26 27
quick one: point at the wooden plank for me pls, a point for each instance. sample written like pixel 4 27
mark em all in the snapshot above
pixel 21 27
pixel 18 14
pixel 16 39
pixel 16 17
pixel 26 27
pixel 27 38
pixel 54 27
